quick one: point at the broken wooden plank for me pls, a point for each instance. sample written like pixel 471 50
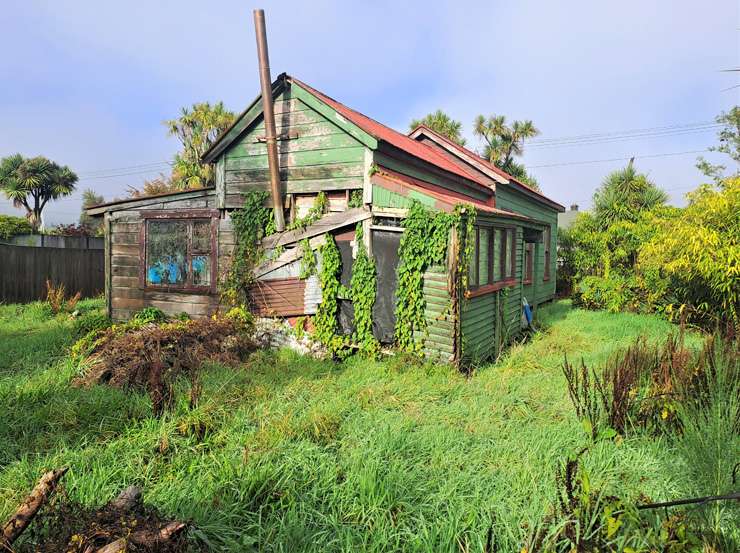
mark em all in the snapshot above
pixel 327 223
pixel 286 257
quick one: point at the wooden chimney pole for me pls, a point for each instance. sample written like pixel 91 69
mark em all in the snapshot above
pixel 269 114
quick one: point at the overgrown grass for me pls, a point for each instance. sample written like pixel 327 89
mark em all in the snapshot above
pixel 293 454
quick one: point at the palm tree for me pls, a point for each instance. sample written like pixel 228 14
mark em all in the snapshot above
pixel 503 142
pixel 197 129
pixel 624 194
pixel 443 124
pixel 31 183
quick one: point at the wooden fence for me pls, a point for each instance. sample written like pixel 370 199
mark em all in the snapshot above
pixel 25 270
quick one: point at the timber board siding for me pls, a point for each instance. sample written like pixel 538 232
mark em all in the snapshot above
pixel 439 339
pixel 315 155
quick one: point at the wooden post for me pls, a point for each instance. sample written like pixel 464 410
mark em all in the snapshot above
pixel 269 115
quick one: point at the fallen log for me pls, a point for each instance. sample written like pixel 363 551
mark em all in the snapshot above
pixel 145 538
pixel 30 507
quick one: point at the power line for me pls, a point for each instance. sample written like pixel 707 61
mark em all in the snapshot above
pixel 567 163
pixel 619 138
pixel 628 131
pixel 128 168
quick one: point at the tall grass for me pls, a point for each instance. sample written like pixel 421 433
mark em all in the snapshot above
pixel 709 444
pixel 294 454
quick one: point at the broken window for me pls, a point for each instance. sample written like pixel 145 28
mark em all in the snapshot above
pixel 179 253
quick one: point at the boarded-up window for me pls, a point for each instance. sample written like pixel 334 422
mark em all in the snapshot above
pixel 179 253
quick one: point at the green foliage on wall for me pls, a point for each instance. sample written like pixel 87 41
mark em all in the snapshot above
pixel 308 259
pixel 320 206
pixel 251 223
pixel 363 288
pixel 424 243
pixel 325 320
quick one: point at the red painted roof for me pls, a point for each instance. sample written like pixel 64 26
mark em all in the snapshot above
pixel 446 199
pixel 395 138
pixel 484 161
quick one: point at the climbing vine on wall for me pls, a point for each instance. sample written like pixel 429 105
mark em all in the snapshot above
pixel 251 223
pixel 424 243
pixel 325 320
pixel 363 288
pixel 308 259
pixel 320 206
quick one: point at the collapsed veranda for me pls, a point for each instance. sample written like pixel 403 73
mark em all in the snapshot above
pixel 169 251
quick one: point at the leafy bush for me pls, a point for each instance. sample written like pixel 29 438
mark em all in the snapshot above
pixel 613 293
pixel 149 315
pixel 10 226
pixel 73 230
pixel 92 321
pixel 698 252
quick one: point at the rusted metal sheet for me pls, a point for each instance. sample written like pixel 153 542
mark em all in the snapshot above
pixel 278 298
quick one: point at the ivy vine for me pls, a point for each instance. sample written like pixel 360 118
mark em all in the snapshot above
pixel 325 320
pixel 251 223
pixel 308 259
pixel 363 287
pixel 320 206
pixel 424 243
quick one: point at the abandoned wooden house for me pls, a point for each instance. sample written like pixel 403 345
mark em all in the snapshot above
pixel 168 251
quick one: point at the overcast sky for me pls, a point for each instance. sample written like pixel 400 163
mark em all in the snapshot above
pixel 88 83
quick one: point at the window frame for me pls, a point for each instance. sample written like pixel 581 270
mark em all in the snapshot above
pixel 547 247
pixel 190 216
pixel 505 281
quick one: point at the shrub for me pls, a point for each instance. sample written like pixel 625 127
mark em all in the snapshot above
pixel 73 230
pixel 10 226
pixel 613 293
pixel 149 315
pixel 89 322
pixel 699 254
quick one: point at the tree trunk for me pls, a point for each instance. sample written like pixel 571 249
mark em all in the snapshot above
pixel 28 509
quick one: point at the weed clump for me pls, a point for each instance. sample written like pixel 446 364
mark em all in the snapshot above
pixel 151 357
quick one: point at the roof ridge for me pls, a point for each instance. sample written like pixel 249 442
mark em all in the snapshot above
pixel 483 160
pixel 437 159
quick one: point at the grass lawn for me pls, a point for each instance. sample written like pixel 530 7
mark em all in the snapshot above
pixel 293 454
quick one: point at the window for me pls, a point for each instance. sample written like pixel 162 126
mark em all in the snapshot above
pixel 546 274
pixel 529 264
pixel 179 251
pixel 493 257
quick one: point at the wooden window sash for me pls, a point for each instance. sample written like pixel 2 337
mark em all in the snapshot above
pixel 190 217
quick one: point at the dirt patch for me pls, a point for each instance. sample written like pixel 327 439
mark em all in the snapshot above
pixel 66 526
